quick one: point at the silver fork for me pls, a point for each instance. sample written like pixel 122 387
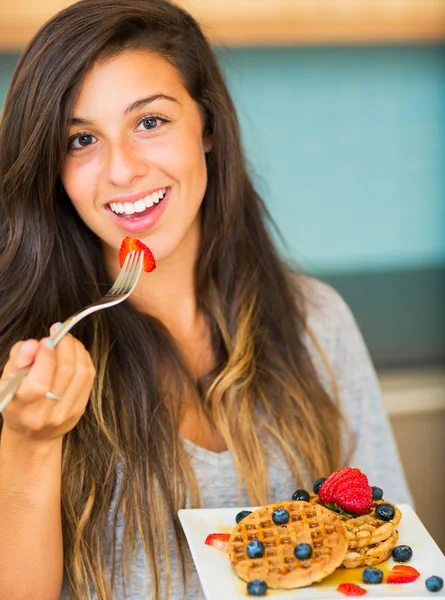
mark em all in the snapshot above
pixel 123 286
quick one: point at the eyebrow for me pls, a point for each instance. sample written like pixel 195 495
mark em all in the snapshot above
pixel 130 108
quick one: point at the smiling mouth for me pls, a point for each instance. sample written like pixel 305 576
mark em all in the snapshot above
pixel 140 208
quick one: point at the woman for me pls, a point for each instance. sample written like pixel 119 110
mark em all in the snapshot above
pixel 225 379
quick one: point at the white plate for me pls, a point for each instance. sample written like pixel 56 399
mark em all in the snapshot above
pixel 219 582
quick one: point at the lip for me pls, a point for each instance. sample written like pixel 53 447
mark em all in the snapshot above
pixel 139 224
pixel 138 196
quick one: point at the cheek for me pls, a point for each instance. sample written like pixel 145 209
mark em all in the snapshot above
pixel 79 181
pixel 183 158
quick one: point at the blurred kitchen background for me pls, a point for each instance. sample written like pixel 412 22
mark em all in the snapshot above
pixel 342 107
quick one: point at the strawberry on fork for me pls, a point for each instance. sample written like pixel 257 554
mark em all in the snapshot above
pixel 129 244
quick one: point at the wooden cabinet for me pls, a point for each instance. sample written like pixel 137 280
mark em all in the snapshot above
pixel 269 22
pixel 20 19
pixel 304 22
pixel 415 402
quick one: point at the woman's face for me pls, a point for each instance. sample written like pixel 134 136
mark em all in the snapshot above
pixel 136 159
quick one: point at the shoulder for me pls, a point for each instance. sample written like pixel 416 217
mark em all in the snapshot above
pixel 332 336
pixel 325 311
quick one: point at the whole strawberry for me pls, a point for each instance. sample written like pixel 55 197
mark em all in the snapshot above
pixel 347 491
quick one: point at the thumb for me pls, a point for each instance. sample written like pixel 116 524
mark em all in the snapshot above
pixel 23 354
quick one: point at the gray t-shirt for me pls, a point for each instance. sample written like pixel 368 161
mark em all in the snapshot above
pixel 375 452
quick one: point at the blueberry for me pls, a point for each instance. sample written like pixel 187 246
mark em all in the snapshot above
pixel 255 549
pixel 317 484
pixel 257 587
pixel 303 551
pixel 240 516
pixel 385 512
pixel 377 493
pixel 372 575
pixel 434 583
pixel 280 516
pixel 402 553
pixel 301 495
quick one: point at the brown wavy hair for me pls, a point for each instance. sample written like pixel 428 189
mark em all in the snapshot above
pixel 125 456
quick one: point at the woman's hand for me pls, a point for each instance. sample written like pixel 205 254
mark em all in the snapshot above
pixel 66 372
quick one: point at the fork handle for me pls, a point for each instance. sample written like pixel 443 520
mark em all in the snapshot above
pixel 64 328
pixel 113 297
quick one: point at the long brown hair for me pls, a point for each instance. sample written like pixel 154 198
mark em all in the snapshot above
pixel 125 455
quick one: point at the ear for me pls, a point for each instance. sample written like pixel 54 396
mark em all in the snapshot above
pixel 207 142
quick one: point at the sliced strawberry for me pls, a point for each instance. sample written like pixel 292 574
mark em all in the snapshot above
pixel 328 485
pixel 405 569
pixel 348 491
pixel 129 244
pixel 351 589
pixel 402 574
pixel 356 499
pixel 336 481
pixel 220 541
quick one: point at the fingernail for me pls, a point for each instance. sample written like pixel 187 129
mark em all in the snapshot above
pixel 24 347
pixel 55 327
pixel 48 343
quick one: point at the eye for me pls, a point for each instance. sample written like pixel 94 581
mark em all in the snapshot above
pixel 150 123
pixel 81 141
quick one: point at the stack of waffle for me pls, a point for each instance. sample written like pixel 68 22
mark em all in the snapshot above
pixel 370 540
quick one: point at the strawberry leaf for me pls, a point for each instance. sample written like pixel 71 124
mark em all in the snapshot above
pixel 336 508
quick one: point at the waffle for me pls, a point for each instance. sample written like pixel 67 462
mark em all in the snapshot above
pixel 367 529
pixel 308 523
pixel 371 555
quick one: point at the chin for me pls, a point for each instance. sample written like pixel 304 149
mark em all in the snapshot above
pixel 162 249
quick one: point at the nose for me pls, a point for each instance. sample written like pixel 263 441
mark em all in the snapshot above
pixel 125 164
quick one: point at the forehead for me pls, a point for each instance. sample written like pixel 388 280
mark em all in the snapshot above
pixel 128 75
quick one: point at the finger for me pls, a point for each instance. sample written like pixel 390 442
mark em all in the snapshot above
pixel 51 373
pixel 55 327
pixel 66 366
pixel 75 397
pixel 59 417
pixel 22 354
pixel 41 374
pixel 83 398
pixel 89 377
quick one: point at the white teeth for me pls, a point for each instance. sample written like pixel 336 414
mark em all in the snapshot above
pixel 117 207
pixel 139 206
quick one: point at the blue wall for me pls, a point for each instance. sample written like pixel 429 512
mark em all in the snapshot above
pixel 347 145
